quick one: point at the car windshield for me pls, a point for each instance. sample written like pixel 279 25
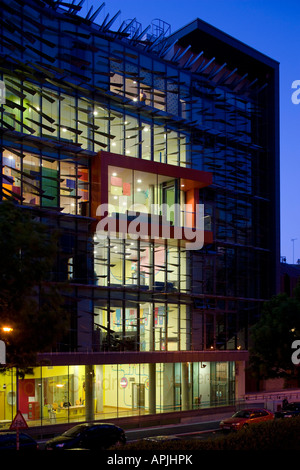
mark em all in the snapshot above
pixel 241 414
pixel 74 432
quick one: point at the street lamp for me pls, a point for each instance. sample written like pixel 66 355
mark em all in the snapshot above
pixel 7 329
pixel 293 241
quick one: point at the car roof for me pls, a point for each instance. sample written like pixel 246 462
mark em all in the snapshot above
pixel 253 409
pixel 92 425
pixel 95 424
pixel 101 424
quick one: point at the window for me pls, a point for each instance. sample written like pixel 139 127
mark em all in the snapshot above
pixel 142 192
pixel 50 183
pixel 31 180
pixel 67 121
pixel 43 181
pixel 138 91
pixel 68 187
pixel 11 175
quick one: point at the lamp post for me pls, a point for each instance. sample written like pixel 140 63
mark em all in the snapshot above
pixel 2 352
pixel 6 330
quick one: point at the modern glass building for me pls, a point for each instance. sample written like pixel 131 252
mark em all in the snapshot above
pixel 176 136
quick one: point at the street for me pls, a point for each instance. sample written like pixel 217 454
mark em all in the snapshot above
pixel 184 431
pixel 199 430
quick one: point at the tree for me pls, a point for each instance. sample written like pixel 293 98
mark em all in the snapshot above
pixel 29 302
pixel 272 338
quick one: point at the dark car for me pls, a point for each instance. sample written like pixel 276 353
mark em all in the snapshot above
pixel 289 411
pixel 8 441
pixel 91 436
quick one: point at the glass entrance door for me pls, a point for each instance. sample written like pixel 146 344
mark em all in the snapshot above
pixel 138 396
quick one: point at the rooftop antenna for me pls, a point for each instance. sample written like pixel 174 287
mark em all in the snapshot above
pixel 293 241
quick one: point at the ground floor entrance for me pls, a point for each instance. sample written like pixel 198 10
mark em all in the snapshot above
pixel 59 394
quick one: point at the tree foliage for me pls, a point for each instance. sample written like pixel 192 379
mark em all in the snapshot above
pixel 29 303
pixel 272 338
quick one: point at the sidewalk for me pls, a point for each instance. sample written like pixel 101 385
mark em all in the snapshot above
pixel 207 422
pixel 271 400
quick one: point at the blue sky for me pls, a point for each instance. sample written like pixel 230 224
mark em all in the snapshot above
pixel 273 28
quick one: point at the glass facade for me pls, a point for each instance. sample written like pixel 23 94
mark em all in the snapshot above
pixel 76 94
pixel 69 394
pixel 38 180
pixel 144 326
pixel 143 264
pixel 142 192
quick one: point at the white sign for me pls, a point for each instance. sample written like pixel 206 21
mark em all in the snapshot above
pixel 2 352
pixel 123 382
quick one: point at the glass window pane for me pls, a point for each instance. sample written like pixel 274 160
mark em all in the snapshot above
pixel 67 119
pixel 116 262
pixel 31 180
pixel 160 144
pixel 131 327
pixel 146 141
pixel 11 171
pixel 83 191
pixel 32 113
pixel 84 116
pixel 173 148
pixel 12 109
pixel 120 189
pixel 146 265
pixel 101 269
pixel 131 262
pixel 68 187
pixel 131 136
pixel 146 326
pixel 173 327
pixel 101 134
pixel 50 110
pixel 50 183
pixel 160 314
pixel 117 130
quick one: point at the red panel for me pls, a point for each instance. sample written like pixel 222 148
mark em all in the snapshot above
pixel 26 390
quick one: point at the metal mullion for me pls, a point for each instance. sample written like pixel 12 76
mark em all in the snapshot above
pixel 123 252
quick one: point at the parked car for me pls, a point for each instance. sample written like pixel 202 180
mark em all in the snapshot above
pixel 92 436
pixel 244 418
pixel 8 441
pixel 289 411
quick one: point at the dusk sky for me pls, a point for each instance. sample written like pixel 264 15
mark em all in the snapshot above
pixel 273 28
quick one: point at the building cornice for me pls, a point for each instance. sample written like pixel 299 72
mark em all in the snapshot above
pixel 139 357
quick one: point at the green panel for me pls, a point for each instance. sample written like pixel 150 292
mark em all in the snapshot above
pixel 50 187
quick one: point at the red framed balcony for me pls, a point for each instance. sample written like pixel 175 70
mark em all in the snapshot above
pixel 138 191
